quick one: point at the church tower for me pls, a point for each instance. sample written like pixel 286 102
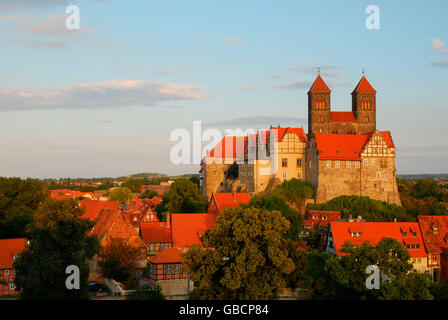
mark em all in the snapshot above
pixel 319 116
pixel 364 106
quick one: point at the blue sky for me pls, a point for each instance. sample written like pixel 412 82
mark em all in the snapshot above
pixel 102 101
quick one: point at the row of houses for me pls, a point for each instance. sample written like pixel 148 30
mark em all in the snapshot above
pixel 426 240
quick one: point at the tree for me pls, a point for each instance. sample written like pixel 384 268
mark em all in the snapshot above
pixel 134 185
pixel 121 194
pixel 19 200
pixel 344 277
pixel 118 260
pixel 148 194
pixel 232 172
pixel 439 290
pixel 295 191
pixel 59 238
pixel 278 203
pixel 411 286
pixel 146 293
pixel 183 197
pixel 244 256
pixel 369 209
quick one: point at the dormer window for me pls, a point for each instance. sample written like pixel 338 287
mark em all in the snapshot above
pixel 356 234
pixel 324 217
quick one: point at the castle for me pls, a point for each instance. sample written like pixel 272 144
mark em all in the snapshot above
pixel 342 154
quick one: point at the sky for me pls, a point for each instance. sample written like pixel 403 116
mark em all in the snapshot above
pixel 102 101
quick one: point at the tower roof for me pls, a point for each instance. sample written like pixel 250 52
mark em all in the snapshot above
pixel 319 85
pixel 363 86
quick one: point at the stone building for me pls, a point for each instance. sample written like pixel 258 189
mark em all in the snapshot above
pixel 342 154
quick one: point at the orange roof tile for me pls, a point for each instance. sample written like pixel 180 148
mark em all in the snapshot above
pixel 318 218
pixel 224 201
pixel 319 85
pixel 92 207
pixel 435 232
pixel 374 232
pixel 363 86
pixel 9 248
pixel 167 255
pixel 342 116
pixel 155 232
pixel 188 227
pixel 280 133
pixel 230 147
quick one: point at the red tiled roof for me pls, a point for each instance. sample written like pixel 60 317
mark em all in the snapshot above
pixel 230 200
pixel 435 232
pixel 9 248
pixel 167 255
pixel 363 86
pixel 282 131
pixel 374 232
pixel 155 232
pixel 340 146
pixel 188 227
pixel 315 218
pixel 94 206
pixel 342 116
pixel 230 147
pixel 345 146
pixel 113 224
pixel 319 85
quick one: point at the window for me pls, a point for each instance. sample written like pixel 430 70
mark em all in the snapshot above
pixel 320 104
pixel 299 163
pixel 366 162
pixel 357 165
pixel 434 257
pixel 299 175
pixel 168 269
pixel 348 164
pixel 151 247
pixel 6 272
pixel 284 162
pixel 356 234
pixel 324 217
pixel 320 118
pixel 12 286
pixel 414 234
pixel 383 163
pixel 314 217
pixel 328 163
pixel 337 164
pixel 284 175
pixel 366 119
pixel 405 234
pixel 177 268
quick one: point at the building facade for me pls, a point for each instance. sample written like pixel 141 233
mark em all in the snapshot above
pixel 342 154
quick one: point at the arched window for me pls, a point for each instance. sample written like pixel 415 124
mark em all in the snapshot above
pixel 320 104
pixel 320 119
pixel 366 119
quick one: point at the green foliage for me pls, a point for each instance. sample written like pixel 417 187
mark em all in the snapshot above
pixel 278 203
pixel 411 286
pixel 183 197
pixel 232 172
pixel 369 209
pixel 439 290
pixel 344 277
pixel 295 191
pixel 118 260
pixel 148 194
pixel 311 237
pixel 121 194
pixel 245 256
pixel 146 293
pixel 58 239
pixel 133 184
pixel 19 200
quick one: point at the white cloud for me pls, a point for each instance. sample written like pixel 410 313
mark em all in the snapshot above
pixel 325 70
pixel 439 46
pixel 172 72
pixel 243 89
pixel 107 94
pixel 234 40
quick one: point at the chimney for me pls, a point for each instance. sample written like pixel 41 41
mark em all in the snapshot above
pixel 168 220
pixel 359 218
pixel 395 219
pixel 233 196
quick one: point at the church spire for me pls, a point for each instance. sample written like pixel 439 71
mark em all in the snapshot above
pixel 319 85
pixel 363 86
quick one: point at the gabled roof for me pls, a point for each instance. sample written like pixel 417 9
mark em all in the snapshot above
pixel 342 116
pixel 318 218
pixel 319 85
pixel 230 147
pixel 374 232
pixel 94 206
pixel 224 201
pixel 332 146
pixel 435 232
pixel 282 131
pixel 155 232
pixel 363 86
pixel 9 248
pixel 167 255
pixel 188 227
pixel 113 224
